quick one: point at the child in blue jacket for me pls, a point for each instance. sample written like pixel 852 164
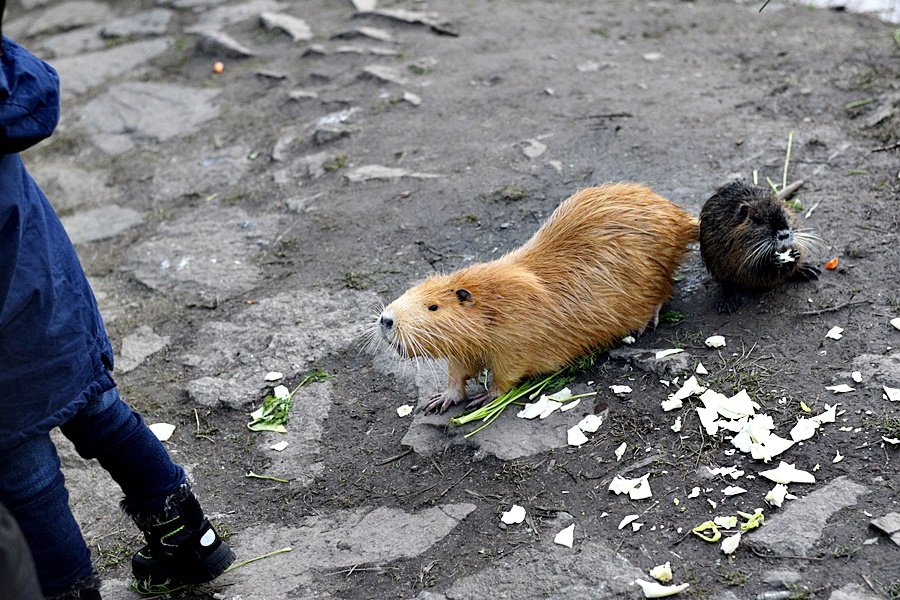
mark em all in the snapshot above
pixel 55 365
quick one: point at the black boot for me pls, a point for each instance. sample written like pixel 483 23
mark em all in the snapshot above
pixel 182 547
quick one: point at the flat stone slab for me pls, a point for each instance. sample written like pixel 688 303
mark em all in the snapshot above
pixel 799 527
pixel 225 16
pixel 853 591
pixel 66 16
pixel 203 260
pixel 289 332
pixel 507 438
pixel 589 571
pixel 137 347
pixel 68 186
pixel 324 544
pixel 79 41
pixel 144 24
pixel 100 223
pixel 135 112
pixel 80 73
pixel 301 460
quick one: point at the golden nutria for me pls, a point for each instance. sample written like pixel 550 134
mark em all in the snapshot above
pixel 749 244
pixel 599 268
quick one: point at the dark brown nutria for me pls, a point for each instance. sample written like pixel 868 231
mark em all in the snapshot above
pixel 749 244
pixel 599 268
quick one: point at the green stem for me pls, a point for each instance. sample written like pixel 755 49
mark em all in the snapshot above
pixel 244 563
pixel 253 475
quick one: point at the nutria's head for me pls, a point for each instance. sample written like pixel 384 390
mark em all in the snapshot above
pixel 435 319
pixel 746 237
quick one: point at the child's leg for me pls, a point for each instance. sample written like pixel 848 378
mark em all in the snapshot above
pixel 182 546
pixel 33 489
pixel 110 431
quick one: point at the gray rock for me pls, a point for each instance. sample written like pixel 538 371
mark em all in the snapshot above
pixel 294 27
pixel 69 186
pixel 200 261
pixel 330 133
pixel 385 74
pixel 382 35
pixel 333 542
pixel 79 41
pixel 878 367
pixel 100 223
pixel 137 347
pixel 432 20
pixel 193 4
pixel 225 16
pixel 380 172
pixel 301 461
pixel 147 23
pixel 853 591
pixel 889 524
pixel 221 44
pixel 507 438
pixel 799 527
pixel 79 74
pixel 645 360
pixel 781 577
pixel 231 358
pixel 141 111
pixel 69 15
pixel 209 170
pixel 590 571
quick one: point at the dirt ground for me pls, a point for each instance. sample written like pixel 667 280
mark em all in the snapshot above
pixel 522 103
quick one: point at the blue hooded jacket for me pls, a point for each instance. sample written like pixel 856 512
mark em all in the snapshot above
pixel 54 352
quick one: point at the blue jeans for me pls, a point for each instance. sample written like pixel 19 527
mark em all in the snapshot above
pixel 33 488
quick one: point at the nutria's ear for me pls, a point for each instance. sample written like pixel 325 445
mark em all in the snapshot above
pixel 743 211
pixel 465 297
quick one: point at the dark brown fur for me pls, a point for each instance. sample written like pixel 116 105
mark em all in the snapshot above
pixel 599 268
pixel 742 228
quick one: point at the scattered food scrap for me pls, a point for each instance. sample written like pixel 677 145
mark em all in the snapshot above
pixel 842 388
pixel 715 341
pixel 620 389
pixel 896 323
pixel 274 376
pixel 832 264
pixel 662 573
pixel 835 333
pixel 787 473
pixel 516 514
pixel 575 436
pixel 701 370
pixel 162 431
pixel 404 410
pixel 652 589
pixel 620 451
pixel 627 520
pixel 664 353
pixel 637 489
pixel 280 446
pixel 730 544
pixel 566 537
pixel 892 394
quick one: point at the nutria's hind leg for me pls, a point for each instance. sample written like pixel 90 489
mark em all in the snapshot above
pixel 729 301
pixel 807 272
pixel 654 319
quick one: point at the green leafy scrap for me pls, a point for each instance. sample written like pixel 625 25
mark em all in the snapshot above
pixel 275 410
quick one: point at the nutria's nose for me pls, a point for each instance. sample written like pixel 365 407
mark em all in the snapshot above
pixel 386 321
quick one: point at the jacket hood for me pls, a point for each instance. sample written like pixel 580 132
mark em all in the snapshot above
pixel 29 99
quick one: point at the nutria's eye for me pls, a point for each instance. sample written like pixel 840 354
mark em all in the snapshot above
pixel 433 307
pixel 463 295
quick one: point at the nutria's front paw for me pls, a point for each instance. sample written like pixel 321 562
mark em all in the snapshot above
pixel 443 401
pixel 808 272
pixel 481 399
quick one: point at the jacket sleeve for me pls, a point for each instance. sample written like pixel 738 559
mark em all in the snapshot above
pixel 10 231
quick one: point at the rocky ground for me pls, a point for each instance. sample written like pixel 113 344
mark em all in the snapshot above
pixel 253 220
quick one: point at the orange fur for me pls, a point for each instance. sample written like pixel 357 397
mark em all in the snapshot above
pixel 598 269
